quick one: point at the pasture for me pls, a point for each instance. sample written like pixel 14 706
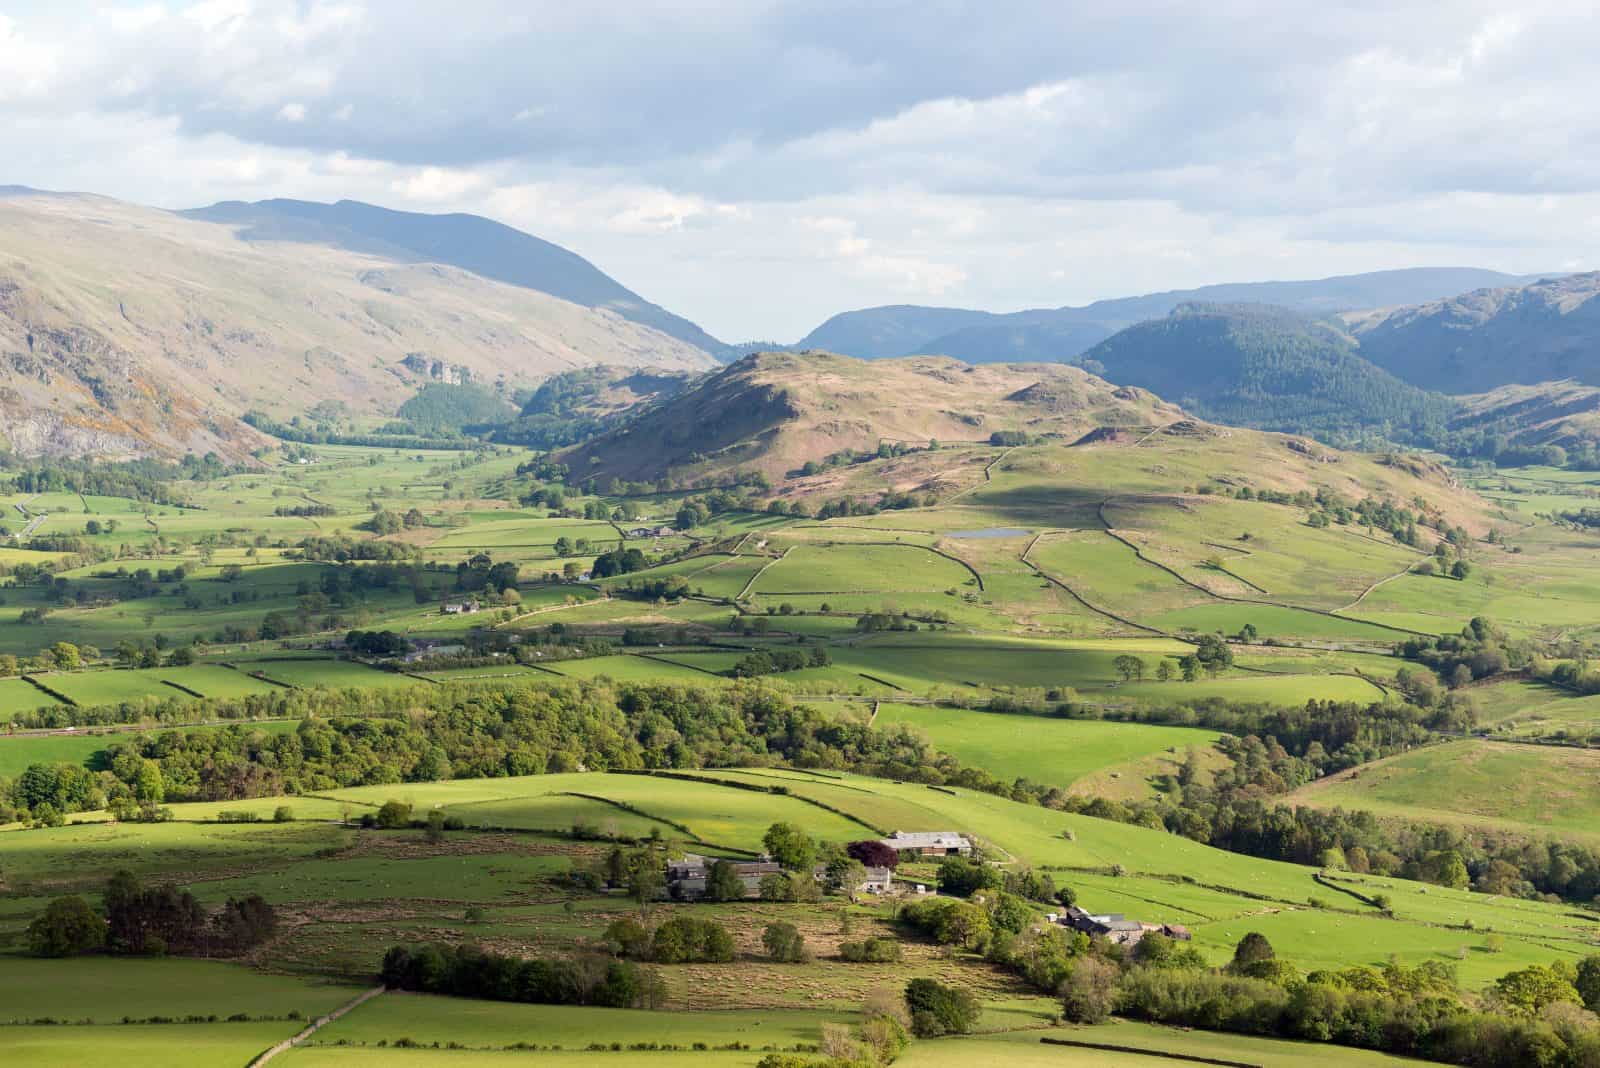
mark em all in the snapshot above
pixel 1040 748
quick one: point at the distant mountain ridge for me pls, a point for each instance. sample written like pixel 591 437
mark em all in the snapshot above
pixel 1060 333
pixel 473 243
pixel 1477 341
pixel 1271 368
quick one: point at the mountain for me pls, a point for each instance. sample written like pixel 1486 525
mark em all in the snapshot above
pixel 1266 367
pixel 774 412
pixel 126 330
pixel 1474 342
pixel 1565 413
pixel 472 243
pixel 574 405
pixel 1059 333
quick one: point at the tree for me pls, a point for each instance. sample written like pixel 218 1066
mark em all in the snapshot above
pixel 1460 569
pixel 937 1009
pixel 1163 670
pixel 962 877
pixel 1252 949
pixel 790 846
pixel 1446 868
pixel 723 883
pixel 1129 667
pixel 68 926
pixel 1090 990
pixel 1528 991
pixel 784 944
pixel 394 814
pixel 1588 982
pixel 873 853
pixel 1190 667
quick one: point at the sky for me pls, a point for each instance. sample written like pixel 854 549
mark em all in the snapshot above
pixel 759 166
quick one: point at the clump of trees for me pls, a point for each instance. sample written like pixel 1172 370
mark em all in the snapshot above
pixel 472 972
pixel 678 940
pixel 1481 650
pixel 937 1009
pixel 1529 1016
pixel 777 661
pixel 150 921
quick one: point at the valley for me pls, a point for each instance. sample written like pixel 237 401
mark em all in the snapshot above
pixel 466 696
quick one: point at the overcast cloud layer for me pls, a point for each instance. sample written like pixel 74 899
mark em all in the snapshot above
pixel 759 166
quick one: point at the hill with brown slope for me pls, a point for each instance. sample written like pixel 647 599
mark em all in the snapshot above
pixel 1544 332
pixel 1565 413
pixel 774 412
pixel 127 330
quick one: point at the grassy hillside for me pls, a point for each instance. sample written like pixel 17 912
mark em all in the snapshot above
pixel 130 330
pixel 774 412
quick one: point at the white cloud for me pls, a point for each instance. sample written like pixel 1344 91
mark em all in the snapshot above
pixel 435 185
pixel 764 164
pixel 28 66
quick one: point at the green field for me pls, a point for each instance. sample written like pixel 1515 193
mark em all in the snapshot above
pixel 428 1019
pixel 201 1045
pixel 1046 750
pixel 1529 787
pixel 104 990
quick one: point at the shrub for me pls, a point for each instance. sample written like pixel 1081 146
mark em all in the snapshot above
pixel 1090 991
pixel 784 943
pixel 685 939
pixel 68 926
pixel 937 1009
pixel 871 951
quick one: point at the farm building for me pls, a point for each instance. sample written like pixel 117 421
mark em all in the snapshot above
pixel 1116 928
pixel 688 877
pixel 460 608
pixel 930 843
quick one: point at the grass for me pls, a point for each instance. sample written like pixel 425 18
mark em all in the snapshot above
pixel 352 1057
pixel 16 753
pixel 1023 1049
pixel 202 1045
pixel 428 1019
pixel 1043 749
pixel 105 989
pixel 20 695
pixel 303 674
pixel 845 568
pixel 716 814
pixel 1527 787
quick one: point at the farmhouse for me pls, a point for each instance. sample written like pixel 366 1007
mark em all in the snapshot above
pixel 649 532
pixel 460 608
pixel 1116 928
pixel 689 876
pixel 930 843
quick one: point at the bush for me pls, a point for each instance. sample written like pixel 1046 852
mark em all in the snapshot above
pixel 1090 991
pixel 871 951
pixel 784 944
pixel 685 939
pixel 963 878
pixel 67 927
pixel 283 814
pixel 394 814
pixel 937 1009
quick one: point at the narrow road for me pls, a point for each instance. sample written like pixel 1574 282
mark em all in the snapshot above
pixel 320 1021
